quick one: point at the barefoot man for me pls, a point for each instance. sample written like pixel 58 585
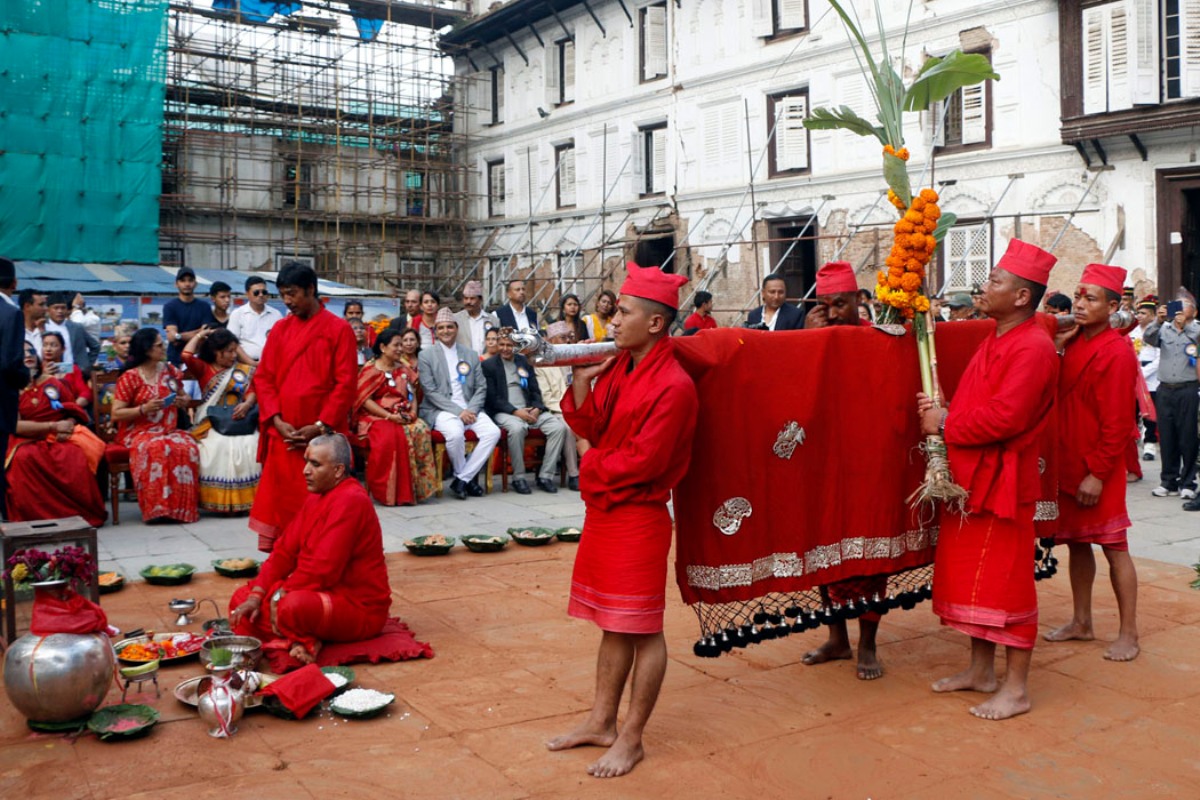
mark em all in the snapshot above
pixel 1096 401
pixel 635 439
pixel 325 580
pixel 983 581
pixel 837 304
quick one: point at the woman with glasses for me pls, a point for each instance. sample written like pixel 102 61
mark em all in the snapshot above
pixel 229 468
pixel 164 461
pixel 52 458
pixel 400 468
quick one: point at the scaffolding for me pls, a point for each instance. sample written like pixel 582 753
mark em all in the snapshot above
pixel 303 138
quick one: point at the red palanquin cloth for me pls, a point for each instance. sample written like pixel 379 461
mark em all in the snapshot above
pixel 838 507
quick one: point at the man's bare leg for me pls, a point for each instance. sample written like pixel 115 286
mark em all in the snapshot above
pixel 869 665
pixel 649 667
pixel 1013 697
pixel 836 647
pixel 1083 576
pixel 1123 575
pixel 612 669
pixel 980 676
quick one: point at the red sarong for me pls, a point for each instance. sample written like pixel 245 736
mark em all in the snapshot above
pixel 308 372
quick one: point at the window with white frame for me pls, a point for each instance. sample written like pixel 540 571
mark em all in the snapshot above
pixel 967 256
pixel 564 164
pixel 652 152
pixel 495 188
pixel 560 72
pixel 724 157
pixel 1139 52
pixel 778 18
pixel 964 118
pixel 496 94
pixel 653 42
pixel 786 112
pixel 568 271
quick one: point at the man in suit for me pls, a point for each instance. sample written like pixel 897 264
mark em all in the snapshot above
pixel 514 400
pixel 515 314
pixel 775 314
pixel 13 374
pixel 410 312
pixel 473 321
pixel 455 391
pixel 79 347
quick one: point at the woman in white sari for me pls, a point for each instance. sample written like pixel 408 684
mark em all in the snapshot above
pixel 225 423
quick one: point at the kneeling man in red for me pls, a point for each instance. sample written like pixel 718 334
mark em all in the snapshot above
pixel 325 580
pixel 635 431
pixel 982 581
pixel 1096 396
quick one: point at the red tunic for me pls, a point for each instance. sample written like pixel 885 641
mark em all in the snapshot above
pixel 308 372
pixel 983 583
pixel 1096 396
pixel 640 421
pixel 329 563
pixel 699 322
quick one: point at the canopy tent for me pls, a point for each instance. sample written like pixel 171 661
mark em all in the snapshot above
pixel 104 279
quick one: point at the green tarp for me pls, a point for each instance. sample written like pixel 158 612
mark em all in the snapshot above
pixel 81 112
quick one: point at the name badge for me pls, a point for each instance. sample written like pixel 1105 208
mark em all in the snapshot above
pixel 523 376
pixel 464 369
pixel 52 395
pixel 1190 352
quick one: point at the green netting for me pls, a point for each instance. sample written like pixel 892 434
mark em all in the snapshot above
pixel 81 111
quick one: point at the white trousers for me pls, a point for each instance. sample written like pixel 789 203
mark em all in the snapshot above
pixel 451 427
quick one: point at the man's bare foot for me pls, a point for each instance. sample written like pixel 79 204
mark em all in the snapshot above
pixel 584 736
pixel 1072 630
pixel 826 652
pixel 966 681
pixel 619 760
pixel 1002 706
pixel 869 666
pixel 301 654
pixel 1123 649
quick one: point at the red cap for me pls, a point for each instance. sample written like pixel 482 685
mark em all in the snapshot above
pixel 1028 261
pixel 836 277
pixel 1104 276
pixel 651 283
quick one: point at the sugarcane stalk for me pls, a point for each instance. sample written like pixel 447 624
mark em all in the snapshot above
pixel 939 484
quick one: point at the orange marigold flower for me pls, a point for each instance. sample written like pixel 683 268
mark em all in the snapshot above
pixel 896 201
pixel 921 304
pixel 913 216
pixel 918 204
pixel 932 211
pixel 895 271
pixel 912 265
pixel 929 195
pixel 894 282
pixel 904 226
pixel 902 154
pixel 894 261
pixel 911 282
pixel 916 241
pixel 907 312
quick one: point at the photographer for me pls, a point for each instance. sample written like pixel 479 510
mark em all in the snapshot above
pixel 1176 334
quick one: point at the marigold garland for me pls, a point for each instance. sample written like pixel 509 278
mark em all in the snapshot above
pixel 900 285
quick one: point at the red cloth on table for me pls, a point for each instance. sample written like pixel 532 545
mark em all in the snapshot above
pixel 694 320
pixel 836 508
pixel 982 583
pixel 640 421
pixel 164 461
pixel 1096 411
pixel 329 563
pixel 300 691
pixel 394 643
pixel 49 479
pixel 308 372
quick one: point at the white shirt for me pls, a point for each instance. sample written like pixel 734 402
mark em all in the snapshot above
pixel 34 337
pixel 89 319
pixel 774 316
pixel 68 357
pixel 456 387
pixel 252 328
pixel 521 318
pixel 1147 358
pixel 478 330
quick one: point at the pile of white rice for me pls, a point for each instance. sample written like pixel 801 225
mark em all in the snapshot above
pixel 360 700
pixel 337 679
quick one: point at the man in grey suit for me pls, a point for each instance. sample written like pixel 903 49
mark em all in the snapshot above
pixel 13 374
pixel 455 391
pixel 473 321
pixel 80 347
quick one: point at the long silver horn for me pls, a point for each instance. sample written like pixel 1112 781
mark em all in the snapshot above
pixel 543 354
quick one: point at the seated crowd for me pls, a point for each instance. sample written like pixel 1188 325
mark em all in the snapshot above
pixel 177 409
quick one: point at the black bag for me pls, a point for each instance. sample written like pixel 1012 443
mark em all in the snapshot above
pixel 222 421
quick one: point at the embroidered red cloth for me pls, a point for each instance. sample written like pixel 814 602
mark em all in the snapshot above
pixel 300 691
pixel 805 457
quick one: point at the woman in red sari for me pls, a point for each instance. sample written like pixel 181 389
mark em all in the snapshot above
pixel 400 468
pixel 52 459
pixel 164 460
pixel 52 353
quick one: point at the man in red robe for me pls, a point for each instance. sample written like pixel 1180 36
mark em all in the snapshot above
pixel 837 305
pixel 982 581
pixel 1096 400
pixel 635 439
pixel 305 382
pixel 326 580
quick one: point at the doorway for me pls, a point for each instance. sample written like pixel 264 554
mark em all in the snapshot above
pixel 794 253
pixel 1178 230
pixel 653 250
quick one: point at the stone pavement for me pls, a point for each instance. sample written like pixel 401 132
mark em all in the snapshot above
pixel 511 669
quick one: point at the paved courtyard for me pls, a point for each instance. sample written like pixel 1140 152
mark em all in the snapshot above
pixel 511 669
